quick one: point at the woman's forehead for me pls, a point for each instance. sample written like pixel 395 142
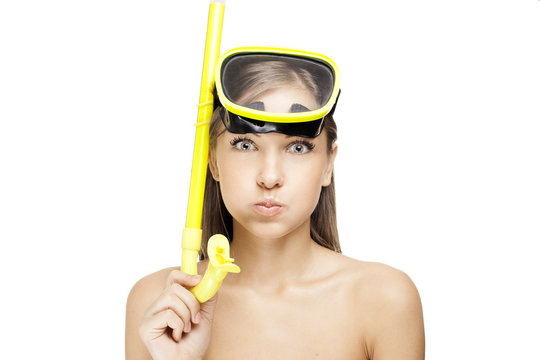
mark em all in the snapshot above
pixel 284 100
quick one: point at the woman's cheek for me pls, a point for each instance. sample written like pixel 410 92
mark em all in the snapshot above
pixel 234 185
pixel 307 187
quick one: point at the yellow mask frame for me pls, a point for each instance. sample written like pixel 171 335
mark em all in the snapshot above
pixel 274 54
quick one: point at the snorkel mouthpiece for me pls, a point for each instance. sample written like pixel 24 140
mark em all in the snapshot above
pixel 219 266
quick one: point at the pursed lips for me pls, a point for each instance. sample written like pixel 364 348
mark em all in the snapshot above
pixel 268 207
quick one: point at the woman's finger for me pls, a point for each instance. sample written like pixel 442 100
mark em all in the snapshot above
pixel 177 276
pixel 155 326
pixel 176 297
pixel 188 299
pixel 186 281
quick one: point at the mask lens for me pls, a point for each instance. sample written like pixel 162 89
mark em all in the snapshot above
pixel 277 83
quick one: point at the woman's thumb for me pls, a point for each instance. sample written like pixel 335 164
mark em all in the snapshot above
pixel 208 307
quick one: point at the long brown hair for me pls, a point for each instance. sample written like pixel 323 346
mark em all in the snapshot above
pixel 216 219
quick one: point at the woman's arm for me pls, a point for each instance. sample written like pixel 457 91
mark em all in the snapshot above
pixel 142 295
pixel 164 320
pixel 397 325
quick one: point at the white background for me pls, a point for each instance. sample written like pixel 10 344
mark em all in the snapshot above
pixel 437 173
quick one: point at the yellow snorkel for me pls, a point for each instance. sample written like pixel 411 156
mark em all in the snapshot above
pixel 218 246
pixel 229 78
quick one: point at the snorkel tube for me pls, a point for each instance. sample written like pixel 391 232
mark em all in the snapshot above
pixel 218 246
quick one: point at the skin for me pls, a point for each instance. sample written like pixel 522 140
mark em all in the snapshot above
pixel 293 299
pixel 280 100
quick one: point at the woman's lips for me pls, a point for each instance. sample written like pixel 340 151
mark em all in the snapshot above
pixel 268 208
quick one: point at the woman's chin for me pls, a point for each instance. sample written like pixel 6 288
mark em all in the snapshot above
pixel 267 230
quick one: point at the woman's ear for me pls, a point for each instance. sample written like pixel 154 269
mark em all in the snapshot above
pixel 327 176
pixel 213 166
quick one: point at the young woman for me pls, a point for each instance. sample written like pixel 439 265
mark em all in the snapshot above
pixel 270 190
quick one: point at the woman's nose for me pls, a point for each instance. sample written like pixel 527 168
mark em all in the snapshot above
pixel 270 171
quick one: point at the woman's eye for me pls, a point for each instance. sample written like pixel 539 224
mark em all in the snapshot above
pixel 243 144
pixel 301 147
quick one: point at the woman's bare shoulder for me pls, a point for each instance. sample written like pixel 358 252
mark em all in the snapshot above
pixel 381 279
pixel 146 289
pixel 387 304
pixel 372 284
pixel 389 285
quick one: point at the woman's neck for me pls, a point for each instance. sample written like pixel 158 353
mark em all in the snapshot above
pixel 271 265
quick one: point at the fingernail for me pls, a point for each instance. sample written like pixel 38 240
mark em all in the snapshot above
pixel 198 317
pixel 188 327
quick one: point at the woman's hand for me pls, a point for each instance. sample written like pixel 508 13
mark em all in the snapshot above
pixel 176 325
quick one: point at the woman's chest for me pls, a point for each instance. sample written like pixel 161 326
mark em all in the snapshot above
pixel 320 326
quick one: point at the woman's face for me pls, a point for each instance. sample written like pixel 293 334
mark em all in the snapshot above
pixel 271 183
